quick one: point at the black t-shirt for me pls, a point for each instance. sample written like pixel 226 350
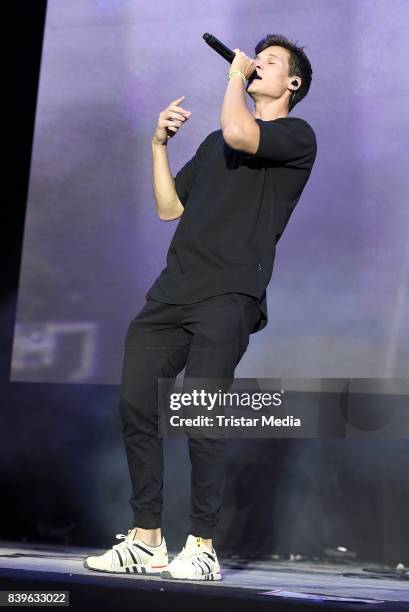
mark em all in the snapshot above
pixel 236 207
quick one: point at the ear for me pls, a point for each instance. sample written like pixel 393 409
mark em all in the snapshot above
pixel 294 85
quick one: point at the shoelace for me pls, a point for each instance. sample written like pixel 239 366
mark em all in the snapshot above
pixel 128 539
pixel 182 554
pixel 125 546
pixel 186 554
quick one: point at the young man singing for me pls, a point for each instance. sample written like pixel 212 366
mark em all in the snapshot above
pixel 234 198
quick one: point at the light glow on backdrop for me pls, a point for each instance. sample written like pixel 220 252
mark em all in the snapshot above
pixel 93 244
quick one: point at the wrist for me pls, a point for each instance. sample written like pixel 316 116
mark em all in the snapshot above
pixel 158 143
pixel 233 73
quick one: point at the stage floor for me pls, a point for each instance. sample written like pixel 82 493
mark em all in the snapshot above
pixel 272 582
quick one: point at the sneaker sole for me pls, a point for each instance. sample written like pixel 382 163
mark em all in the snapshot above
pixel 212 576
pixel 128 569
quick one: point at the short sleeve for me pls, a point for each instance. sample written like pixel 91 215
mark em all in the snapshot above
pixel 287 140
pixel 185 178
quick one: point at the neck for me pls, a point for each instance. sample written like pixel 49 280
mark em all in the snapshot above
pixel 268 110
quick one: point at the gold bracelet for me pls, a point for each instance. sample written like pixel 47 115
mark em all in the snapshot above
pixel 237 72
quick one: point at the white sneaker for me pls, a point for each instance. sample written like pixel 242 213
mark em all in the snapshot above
pixel 195 562
pixel 130 556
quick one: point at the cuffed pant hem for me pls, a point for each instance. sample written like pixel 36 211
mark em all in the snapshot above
pixel 202 529
pixel 147 521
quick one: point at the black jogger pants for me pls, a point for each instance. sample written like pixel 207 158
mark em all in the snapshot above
pixel 209 338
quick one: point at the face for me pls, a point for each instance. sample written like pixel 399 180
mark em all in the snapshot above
pixel 272 66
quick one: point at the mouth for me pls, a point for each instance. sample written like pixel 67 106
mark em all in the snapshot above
pixel 256 77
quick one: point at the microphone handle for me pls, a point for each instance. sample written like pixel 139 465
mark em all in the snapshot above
pixel 219 47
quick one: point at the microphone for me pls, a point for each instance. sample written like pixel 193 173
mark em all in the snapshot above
pixel 225 52
pixel 219 47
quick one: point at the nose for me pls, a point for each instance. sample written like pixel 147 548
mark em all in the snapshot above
pixel 257 70
pixel 258 65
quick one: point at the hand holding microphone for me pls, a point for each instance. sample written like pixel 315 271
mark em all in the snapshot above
pixel 239 61
pixel 242 63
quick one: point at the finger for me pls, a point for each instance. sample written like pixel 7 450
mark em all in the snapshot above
pixel 174 122
pixel 177 115
pixel 178 100
pixel 170 123
pixel 179 109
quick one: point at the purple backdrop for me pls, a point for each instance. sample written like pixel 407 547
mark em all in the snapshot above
pixel 93 244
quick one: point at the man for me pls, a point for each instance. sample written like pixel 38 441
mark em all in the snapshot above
pixel 234 199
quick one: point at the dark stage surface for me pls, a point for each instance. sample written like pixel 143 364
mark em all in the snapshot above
pixel 244 585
